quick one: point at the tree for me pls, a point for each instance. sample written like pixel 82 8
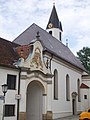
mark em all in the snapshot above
pixel 84 56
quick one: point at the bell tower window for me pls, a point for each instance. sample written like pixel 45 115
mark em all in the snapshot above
pixel 60 36
pixel 50 32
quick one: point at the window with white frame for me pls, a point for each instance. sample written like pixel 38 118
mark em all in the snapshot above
pixel 9 110
pixel 11 81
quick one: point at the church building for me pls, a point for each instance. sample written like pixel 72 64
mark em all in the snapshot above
pixel 44 77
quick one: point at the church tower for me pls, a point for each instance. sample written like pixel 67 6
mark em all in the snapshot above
pixel 54 26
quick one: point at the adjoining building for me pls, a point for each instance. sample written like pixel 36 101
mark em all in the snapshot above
pixel 42 74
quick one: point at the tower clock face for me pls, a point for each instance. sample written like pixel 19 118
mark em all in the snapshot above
pixel 50 25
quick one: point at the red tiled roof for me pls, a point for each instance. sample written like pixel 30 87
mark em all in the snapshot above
pixel 8 55
pixel 84 86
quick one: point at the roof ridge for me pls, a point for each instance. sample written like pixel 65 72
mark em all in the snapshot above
pixel 24 31
pixel 40 28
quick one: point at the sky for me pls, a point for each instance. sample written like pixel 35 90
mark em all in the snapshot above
pixel 17 15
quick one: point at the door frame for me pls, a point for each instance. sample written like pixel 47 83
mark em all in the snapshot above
pixel 74 103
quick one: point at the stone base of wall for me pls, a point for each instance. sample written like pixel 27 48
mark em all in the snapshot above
pixel 22 116
pixel 47 116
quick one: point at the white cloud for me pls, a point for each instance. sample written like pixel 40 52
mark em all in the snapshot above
pixel 17 15
pixel 82 41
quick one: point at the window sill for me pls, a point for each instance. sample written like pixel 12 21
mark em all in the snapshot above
pixel 55 98
pixel 10 116
pixel 12 89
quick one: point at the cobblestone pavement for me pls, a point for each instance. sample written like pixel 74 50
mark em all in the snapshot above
pixel 73 117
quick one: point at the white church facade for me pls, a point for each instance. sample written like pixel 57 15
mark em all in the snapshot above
pixel 45 80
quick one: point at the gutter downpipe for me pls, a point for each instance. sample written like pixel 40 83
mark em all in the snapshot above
pixel 18 100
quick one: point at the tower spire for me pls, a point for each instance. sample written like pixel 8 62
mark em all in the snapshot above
pixel 54 26
pixel 54 20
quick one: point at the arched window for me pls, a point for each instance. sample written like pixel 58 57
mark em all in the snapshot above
pixel 55 84
pixel 60 36
pixel 50 32
pixel 67 88
pixel 78 90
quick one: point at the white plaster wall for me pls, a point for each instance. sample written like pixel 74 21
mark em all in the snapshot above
pixel 49 97
pixel 85 102
pixel 61 105
pixel 55 33
pixel 87 82
pixel 23 95
pixel 10 95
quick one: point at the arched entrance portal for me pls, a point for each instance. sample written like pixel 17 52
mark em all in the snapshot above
pixel 34 109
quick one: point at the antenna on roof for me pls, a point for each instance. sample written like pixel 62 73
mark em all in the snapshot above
pixel 67 42
pixel 37 36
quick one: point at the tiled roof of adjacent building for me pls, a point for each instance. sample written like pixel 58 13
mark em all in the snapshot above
pixel 49 43
pixel 8 55
pixel 84 86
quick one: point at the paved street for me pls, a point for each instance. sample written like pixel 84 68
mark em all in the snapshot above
pixel 74 117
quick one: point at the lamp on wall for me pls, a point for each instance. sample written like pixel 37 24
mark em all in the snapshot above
pixel 4 90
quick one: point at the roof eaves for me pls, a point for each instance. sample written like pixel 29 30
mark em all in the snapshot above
pixel 8 66
pixel 46 49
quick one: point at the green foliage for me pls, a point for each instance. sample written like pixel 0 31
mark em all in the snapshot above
pixel 84 56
